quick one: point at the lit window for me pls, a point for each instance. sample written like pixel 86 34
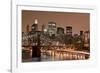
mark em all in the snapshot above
pixel 45 30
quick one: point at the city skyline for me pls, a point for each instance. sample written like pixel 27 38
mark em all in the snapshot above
pixel 74 19
pixel 55 36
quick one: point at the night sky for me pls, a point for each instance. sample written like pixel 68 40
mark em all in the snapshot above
pixel 78 21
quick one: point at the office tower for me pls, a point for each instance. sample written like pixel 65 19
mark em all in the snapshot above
pixel 27 28
pixel 43 27
pixel 81 33
pixel 69 30
pixel 51 29
pixel 81 36
pixel 81 40
pixel 68 37
pixel 60 30
pixel 34 27
pixel 86 39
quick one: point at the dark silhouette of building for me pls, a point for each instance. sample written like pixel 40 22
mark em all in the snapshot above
pixel 43 27
pixel 68 36
pixel 36 53
pixel 69 30
pixel 27 28
pixel 60 30
pixel 81 33
pixel 81 40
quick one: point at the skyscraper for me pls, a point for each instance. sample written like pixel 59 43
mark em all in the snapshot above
pixel 51 29
pixel 60 30
pixel 80 42
pixel 34 27
pixel 86 39
pixel 81 35
pixel 27 28
pixel 68 37
pixel 69 30
pixel 43 27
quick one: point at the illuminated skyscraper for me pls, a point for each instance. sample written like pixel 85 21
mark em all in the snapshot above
pixel 51 28
pixel 34 27
pixel 86 39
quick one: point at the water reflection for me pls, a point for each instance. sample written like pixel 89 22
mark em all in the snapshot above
pixel 57 54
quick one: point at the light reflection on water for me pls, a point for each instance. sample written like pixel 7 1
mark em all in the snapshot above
pixel 56 55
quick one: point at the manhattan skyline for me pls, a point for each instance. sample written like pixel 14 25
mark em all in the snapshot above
pixel 79 21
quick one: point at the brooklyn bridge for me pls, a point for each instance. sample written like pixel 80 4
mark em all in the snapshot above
pixel 38 47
